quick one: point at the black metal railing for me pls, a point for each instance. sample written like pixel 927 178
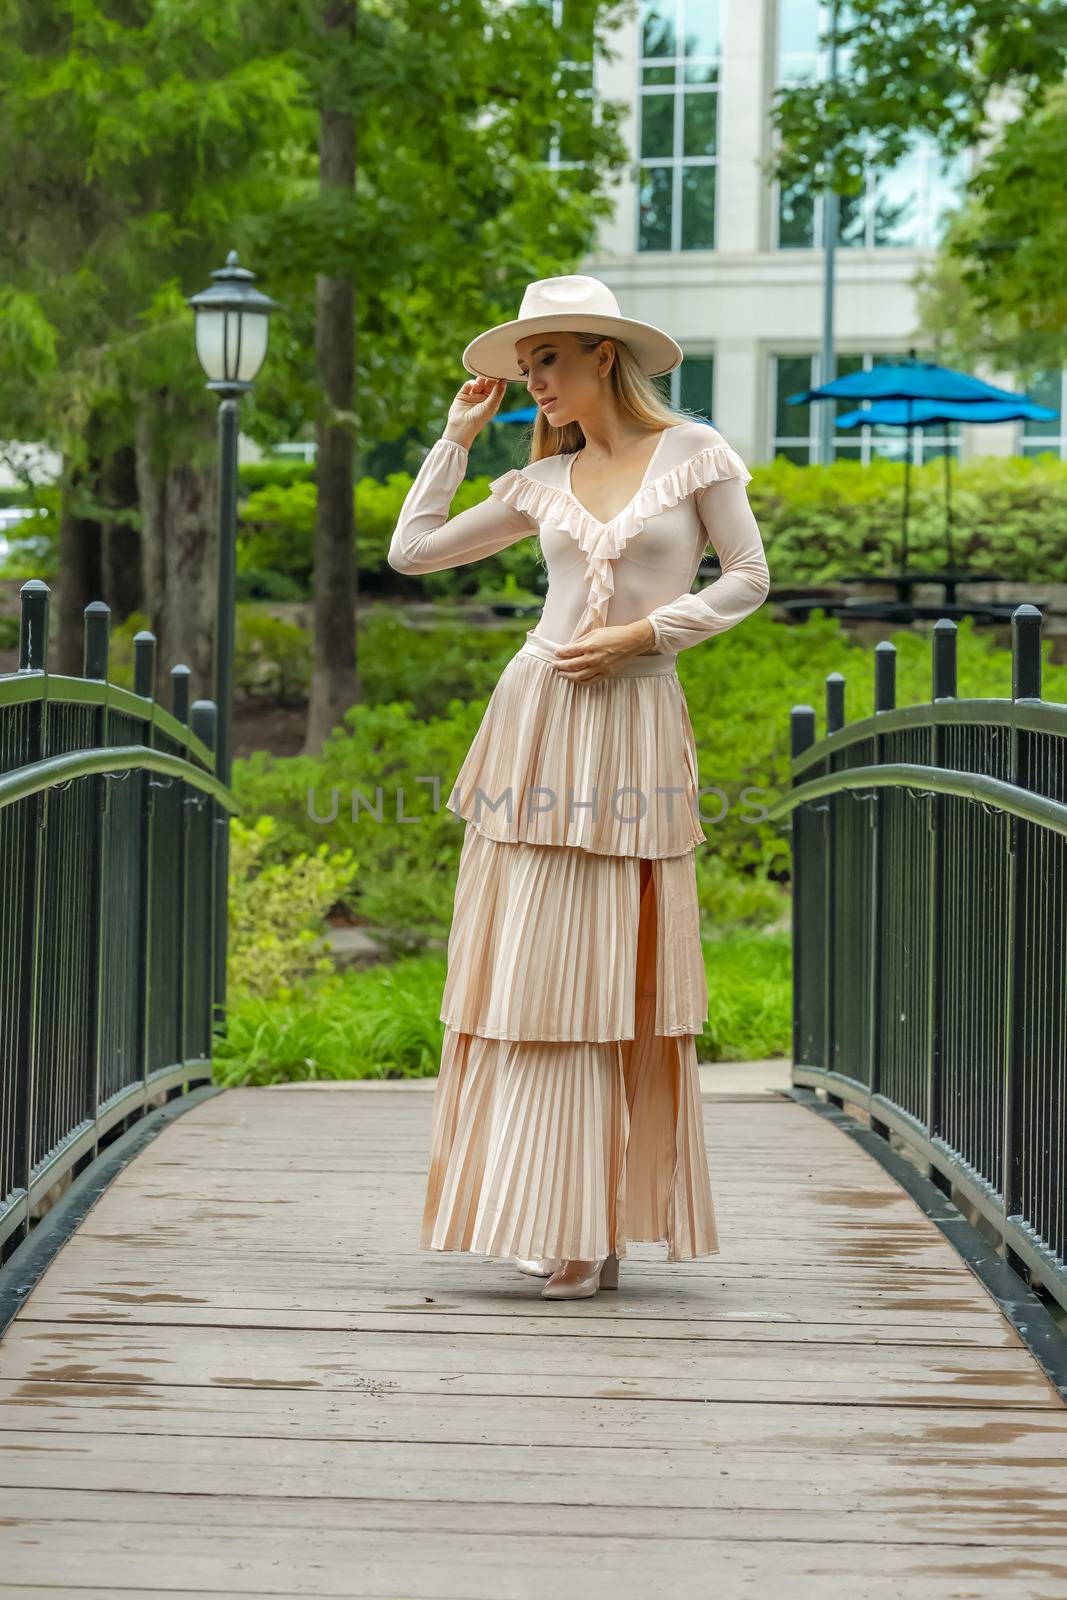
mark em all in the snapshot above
pixel 930 933
pixel 109 820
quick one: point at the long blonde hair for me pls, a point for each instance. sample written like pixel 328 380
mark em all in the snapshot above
pixel 635 391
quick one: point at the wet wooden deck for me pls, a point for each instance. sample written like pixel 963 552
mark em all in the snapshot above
pixel 241 1377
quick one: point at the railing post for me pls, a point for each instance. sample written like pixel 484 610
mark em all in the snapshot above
pixel 144 679
pixel 835 707
pixel 835 702
pixel 885 699
pixel 179 705
pixel 943 687
pixel 801 737
pixel 1025 685
pixel 205 726
pixel 33 657
pixel 96 643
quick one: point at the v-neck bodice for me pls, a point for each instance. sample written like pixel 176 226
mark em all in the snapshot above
pixel 568 478
pixel 623 575
pixel 640 564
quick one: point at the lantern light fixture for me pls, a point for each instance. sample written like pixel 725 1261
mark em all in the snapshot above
pixel 232 327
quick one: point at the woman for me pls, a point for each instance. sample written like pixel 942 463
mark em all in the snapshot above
pixel 567 1113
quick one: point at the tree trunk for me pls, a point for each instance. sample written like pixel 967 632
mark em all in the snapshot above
pixel 79 573
pixel 334 686
pixel 120 553
pixel 177 482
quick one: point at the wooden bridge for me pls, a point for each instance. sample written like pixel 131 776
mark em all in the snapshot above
pixel 226 1369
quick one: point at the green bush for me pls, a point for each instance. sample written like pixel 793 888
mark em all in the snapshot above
pixel 433 666
pixel 277 910
pixel 278 473
pixel 272 659
pixel 820 523
pixel 277 535
pixel 408 849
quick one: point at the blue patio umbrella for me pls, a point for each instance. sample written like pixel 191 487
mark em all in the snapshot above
pixel 935 413
pixel 911 383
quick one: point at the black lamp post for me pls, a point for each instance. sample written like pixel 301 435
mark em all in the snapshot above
pixel 232 329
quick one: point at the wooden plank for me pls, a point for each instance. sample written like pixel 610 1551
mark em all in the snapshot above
pixel 98 1458
pixel 326 1550
pixel 531 1366
pixel 149 1308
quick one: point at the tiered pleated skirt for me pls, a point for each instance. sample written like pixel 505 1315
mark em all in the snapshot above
pixel 567 1115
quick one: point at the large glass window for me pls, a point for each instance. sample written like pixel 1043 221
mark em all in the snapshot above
pixel 1049 388
pixel 678 124
pixel 796 428
pixel 691 386
pixel 906 206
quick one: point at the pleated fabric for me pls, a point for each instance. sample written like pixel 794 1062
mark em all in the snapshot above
pixel 543 944
pixel 567 1116
pixel 607 766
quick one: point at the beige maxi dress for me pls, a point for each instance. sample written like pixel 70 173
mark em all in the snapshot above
pixel 567 1116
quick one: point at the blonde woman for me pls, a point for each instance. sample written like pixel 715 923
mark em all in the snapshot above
pixel 567 1118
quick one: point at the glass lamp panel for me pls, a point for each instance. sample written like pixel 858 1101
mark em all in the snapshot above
pixel 210 337
pixel 253 344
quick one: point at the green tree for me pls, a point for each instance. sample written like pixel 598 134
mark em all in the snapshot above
pixel 997 288
pixel 145 137
pixel 138 136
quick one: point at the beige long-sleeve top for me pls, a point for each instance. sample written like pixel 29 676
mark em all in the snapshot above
pixel 640 564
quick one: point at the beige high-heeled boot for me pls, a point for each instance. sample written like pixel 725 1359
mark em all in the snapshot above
pixel 578 1280
pixel 538 1266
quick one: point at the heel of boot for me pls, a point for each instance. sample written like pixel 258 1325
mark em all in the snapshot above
pixel 609 1272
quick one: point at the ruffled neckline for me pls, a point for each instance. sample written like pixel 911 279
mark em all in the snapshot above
pixel 603 542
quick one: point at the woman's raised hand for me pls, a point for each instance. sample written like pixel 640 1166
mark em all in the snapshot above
pixel 475 404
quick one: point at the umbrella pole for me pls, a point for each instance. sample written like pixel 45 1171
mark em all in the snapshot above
pixel 907 494
pixel 948 508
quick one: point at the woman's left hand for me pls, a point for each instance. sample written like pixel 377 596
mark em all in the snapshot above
pixel 591 656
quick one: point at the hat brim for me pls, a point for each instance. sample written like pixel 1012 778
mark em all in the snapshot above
pixel 492 354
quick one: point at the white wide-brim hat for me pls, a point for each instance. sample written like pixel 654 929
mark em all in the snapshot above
pixel 570 304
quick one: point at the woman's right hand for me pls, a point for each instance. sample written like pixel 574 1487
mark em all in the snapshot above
pixel 475 404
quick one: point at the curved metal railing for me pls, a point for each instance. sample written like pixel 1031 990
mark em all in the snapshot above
pixel 110 812
pixel 930 933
